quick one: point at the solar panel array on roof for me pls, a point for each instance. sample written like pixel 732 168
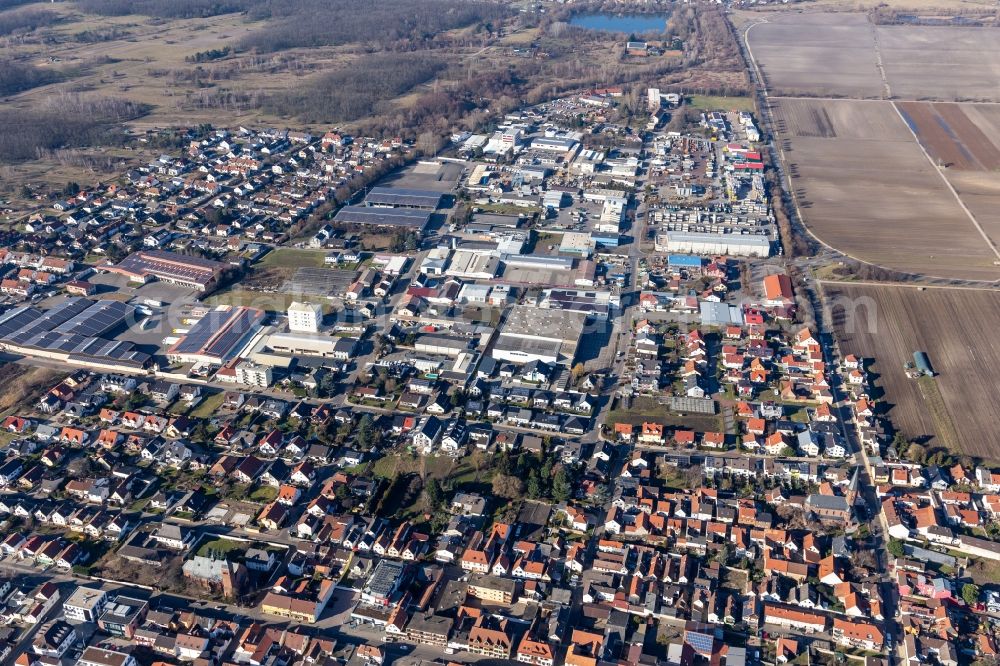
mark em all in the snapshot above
pixel 237 329
pixel 72 328
pixel 700 642
pixel 218 332
pixel 99 349
pixel 398 196
pixel 48 320
pixel 97 319
pixel 16 319
pixel 199 334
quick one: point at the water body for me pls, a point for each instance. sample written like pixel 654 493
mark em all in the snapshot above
pixel 634 24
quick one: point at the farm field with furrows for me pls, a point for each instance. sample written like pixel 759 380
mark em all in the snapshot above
pixel 950 136
pixel 880 169
pixel 817 55
pixel 957 329
pixel 947 63
pixel 865 187
pixel 838 55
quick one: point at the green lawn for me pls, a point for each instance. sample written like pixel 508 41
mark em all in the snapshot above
pixel 287 257
pixel 263 494
pixel 208 406
pixel 220 546
pixel 715 103
pixel 647 409
pixel 800 416
pixel 396 462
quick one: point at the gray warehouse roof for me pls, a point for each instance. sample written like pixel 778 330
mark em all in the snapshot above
pixel 397 196
pixel 384 217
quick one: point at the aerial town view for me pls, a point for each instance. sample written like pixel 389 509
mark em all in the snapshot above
pixel 446 332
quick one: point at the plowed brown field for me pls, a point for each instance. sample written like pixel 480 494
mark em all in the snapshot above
pixel 957 329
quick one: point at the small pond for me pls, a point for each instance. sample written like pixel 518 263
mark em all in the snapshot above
pixel 633 24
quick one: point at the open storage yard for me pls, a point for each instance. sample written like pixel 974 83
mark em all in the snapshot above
pixel 902 184
pixel 957 329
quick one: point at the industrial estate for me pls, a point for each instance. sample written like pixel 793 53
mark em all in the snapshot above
pixel 617 373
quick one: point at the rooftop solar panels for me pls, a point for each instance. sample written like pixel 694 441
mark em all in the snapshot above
pixel 72 330
pixel 123 353
pixel 17 319
pixel 97 319
pixel 407 198
pixel 218 333
pixel 236 330
pixel 69 316
pixel 407 218
pixel 700 642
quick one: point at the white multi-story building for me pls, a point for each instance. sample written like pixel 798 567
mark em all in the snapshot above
pixel 249 373
pixel 304 317
pixel 85 604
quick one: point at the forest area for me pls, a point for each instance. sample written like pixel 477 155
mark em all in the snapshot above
pixel 66 121
pixel 415 68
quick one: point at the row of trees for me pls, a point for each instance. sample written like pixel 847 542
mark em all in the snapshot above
pixel 165 8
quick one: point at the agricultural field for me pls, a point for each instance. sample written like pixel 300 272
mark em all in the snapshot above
pixel 956 328
pixel 817 55
pixel 950 136
pixel 865 187
pixel 820 54
pixel 948 63
pixel 880 168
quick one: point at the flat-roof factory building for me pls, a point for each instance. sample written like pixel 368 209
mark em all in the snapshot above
pixel 398 197
pixel 535 334
pixel 377 216
pixel 734 245
pixel 71 332
pixel 218 336
pixel 192 272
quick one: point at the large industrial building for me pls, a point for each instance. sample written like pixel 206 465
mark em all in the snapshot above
pixel 597 304
pixel 218 336
pixel 734 245
pixel 396 218
pixel 535 334
pixel 73 332
pixel 473 265
pixel 192 272
pixel 398 197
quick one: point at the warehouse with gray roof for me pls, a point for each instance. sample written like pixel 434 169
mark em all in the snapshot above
pixel 376 216
pixel 398 197
pixel 535 334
